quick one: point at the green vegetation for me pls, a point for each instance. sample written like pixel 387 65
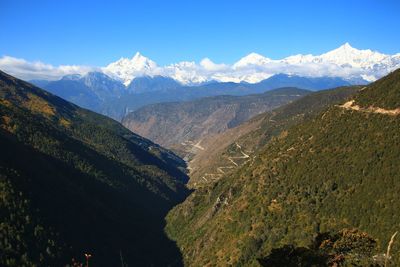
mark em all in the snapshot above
pixel 254 134
pixel 338 169
pixel 383 93
pixel 346 248
pixel 25 241
pixel 73 181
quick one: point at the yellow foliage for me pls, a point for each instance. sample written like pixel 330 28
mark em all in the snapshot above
pixel 274 206
pixel 283 135
pixel 64 122
pixel 39 105
pixel 5 103
pixel 6 124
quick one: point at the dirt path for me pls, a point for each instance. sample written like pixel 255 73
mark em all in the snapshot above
pixel 220 169
pixel 350 105
pixel 190 143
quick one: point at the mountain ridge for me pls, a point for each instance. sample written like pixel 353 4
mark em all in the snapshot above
pixel 101 93
pixel 180 125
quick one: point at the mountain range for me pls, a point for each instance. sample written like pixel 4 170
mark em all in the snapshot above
pixel 101 93
pixel 345 62
pixel 128 84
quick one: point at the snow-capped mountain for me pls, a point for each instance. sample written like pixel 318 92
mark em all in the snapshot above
pixel 345 62
pixel 127 69
pixel 346 54
pixel 186 72
pixel 252 59
pixel 373 64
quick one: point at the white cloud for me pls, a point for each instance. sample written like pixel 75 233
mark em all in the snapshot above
pixel 208 65
pixel 38 70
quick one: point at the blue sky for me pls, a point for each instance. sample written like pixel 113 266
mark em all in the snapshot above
pixel 96 33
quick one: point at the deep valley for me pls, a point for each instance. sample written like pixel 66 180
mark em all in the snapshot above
pixel 200 133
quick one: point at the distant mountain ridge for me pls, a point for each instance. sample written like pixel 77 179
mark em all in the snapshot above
pixel 101 93
pixel 145 84
pixel 184 125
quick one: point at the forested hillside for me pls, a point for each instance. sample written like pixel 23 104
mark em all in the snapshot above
pixel 75 182
pixel 227 151
pixel 336 170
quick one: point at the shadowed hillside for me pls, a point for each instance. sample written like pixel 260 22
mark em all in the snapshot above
pixel 73 181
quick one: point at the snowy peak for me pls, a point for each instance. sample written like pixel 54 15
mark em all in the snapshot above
pixel 347 55
pixel 346 46
pixel 252 59
pixel 127 69
pixel 141 62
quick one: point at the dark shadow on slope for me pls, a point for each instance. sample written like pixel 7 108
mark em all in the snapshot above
pixel 90 215
pixel 348 247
